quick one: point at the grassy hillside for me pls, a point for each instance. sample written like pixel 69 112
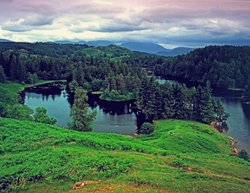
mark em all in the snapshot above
pixel 180 156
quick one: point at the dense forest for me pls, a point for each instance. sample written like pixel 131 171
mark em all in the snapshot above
pixel 120 74
pixel 222 66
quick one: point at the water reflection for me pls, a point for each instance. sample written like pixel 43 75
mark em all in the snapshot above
pixel 239 120
pixel 115 117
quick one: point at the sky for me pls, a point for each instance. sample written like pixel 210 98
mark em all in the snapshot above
pixel 192 23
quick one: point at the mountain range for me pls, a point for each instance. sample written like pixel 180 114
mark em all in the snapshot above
pixel 5 40
pixel 147 47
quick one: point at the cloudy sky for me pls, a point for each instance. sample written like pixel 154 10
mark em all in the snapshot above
pixel 171 23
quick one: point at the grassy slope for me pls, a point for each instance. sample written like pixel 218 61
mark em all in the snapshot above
pixel 181 156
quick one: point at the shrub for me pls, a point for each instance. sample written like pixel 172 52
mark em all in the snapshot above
pixel 42 117
pixel 243 154
pixel 146 128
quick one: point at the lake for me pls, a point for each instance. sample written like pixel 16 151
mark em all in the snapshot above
pixel 239 120
pixel 120 118
pixel 112 118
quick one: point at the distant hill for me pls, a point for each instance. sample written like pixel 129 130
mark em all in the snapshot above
pixel 65 42
pixel 147 47
pixel 176 51
pixel 5 40
pixel 100 43
pixel 153 48
pixel 90 43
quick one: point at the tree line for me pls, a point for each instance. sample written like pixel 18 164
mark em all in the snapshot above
pixel 176 101
pixel 117 72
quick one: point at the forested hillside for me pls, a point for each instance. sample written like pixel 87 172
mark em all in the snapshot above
pixel 222 66
pixel 119 74
pixel 93 68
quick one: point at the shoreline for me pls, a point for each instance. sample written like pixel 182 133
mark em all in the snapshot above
pixel 234 143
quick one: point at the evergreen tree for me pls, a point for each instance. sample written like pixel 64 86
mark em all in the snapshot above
pixel 203 105
pixel 150 107
pixel 221 115
pixel 208 109
pixel 82 118
pixel 21 74
pixel 168 101
pixel 13 67
pixel 198 104
pixel 2 75
pixel 79 74
pixel 179 105
pixel 247 93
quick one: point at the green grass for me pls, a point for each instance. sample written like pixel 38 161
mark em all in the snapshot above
pixel 180 156
pixel 12 89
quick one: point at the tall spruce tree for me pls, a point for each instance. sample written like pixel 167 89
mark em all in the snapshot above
pixel 2 75
pixel 219 111
pixel 12 67
pixel 203 106
pixel 168 101
pixel 179 105
pixel 150 107
pixel 247 93
pixel 82 118
pixel 21 74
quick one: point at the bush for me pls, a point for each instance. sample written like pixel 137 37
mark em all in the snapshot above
pixel 146 128
pixel 42 117
pixel 16 111
pixel 243 154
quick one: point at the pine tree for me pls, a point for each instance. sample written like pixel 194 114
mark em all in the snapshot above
pixel 120 84
pixel 203 105
pixel 13 67
pixel 168 101
pixel 82 118
pixel 21 74
pixel 208 109
pixel 150 108
pixel 197 104
pixel 79 74
pixel 219 111
pixel 247 93
pixel 179 105
pixel 2 75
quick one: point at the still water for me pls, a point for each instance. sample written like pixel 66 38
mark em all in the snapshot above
pixel 119 118
pixel 109 118
pixel 238 122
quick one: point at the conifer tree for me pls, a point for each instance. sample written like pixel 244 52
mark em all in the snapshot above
pixel 247 93
pixel 179 105
pixel 82 118
pixel 203 105
pixel 168 101
pixel 2 75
